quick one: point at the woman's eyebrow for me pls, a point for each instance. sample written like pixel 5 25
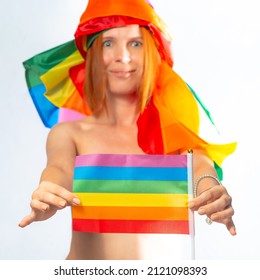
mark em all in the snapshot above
pixel 129 38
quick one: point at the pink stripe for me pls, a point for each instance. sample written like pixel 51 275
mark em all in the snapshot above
pixel 132 160
pixel 67 115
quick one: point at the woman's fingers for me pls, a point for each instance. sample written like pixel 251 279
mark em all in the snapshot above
pixel 27 220
pixel 221 215
pixel 220 208
pixel 206 197
pixel 39 206
pixel 46 200
pixel 231 227
pixel 216 204
pixel 55 195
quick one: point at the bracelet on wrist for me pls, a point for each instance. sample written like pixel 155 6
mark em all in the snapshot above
pixel 200 178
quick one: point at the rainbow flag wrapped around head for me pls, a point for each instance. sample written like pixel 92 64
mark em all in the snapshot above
pixel 174 119
pixel 133 194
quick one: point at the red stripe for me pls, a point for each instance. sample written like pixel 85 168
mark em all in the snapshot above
pixel 130 226
pixel 149 130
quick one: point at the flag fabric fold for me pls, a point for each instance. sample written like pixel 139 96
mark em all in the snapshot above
pixel 177 120
pixel 132 194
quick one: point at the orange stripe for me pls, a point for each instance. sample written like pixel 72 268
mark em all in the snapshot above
pixel 75 102
pixel 130 213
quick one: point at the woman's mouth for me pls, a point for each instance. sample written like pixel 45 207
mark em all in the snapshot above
pixel 122 73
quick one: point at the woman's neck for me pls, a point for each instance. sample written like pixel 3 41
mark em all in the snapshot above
pixel 119 112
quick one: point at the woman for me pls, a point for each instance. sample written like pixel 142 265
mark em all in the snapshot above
pixel 128 67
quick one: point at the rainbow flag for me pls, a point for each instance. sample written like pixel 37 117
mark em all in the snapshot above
pixel 133 194
pixel 50 84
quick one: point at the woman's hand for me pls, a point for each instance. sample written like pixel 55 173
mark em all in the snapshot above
pixel 216 204
pixel 46 200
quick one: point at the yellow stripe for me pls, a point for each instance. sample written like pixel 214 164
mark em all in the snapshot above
pixel 60 94
pixel 142 200
pixel 59 72
pixel 59 86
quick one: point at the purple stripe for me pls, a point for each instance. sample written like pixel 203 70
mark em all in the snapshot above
pixel 131 160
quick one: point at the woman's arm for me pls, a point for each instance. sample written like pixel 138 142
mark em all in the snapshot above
pixel 212 198
pixel 54 190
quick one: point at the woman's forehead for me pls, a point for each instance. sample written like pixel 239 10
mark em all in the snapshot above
pixel 132 30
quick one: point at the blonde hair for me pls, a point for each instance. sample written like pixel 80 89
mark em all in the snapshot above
pixel 94 88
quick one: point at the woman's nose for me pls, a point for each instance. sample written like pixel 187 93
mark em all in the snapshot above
pixel 123 55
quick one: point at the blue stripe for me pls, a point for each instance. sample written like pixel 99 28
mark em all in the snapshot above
pixel 130 173
pixel 47 111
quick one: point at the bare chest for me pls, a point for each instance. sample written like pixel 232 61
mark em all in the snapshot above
pixel 104 139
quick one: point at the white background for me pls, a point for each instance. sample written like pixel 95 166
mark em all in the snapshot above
pixel 216 47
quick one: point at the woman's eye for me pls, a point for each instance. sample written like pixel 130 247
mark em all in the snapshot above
pixel 107 44
pixel 136 44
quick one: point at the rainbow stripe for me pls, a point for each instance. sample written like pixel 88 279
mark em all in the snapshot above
pixel 132 194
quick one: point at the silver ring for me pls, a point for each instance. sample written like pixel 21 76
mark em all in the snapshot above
pixel 209 221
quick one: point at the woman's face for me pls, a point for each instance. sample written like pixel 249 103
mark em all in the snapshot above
pixel 123 59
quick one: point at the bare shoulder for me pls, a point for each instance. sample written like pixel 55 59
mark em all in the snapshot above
pixel 61 138
pixel 61 129
pixel 67 130
pixel 68 136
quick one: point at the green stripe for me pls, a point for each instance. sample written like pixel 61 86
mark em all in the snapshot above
pixel 122 186
pixel 32 78
pixel 43 62
pixel 202 105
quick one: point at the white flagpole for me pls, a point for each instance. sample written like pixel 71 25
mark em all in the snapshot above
pixel 190 190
